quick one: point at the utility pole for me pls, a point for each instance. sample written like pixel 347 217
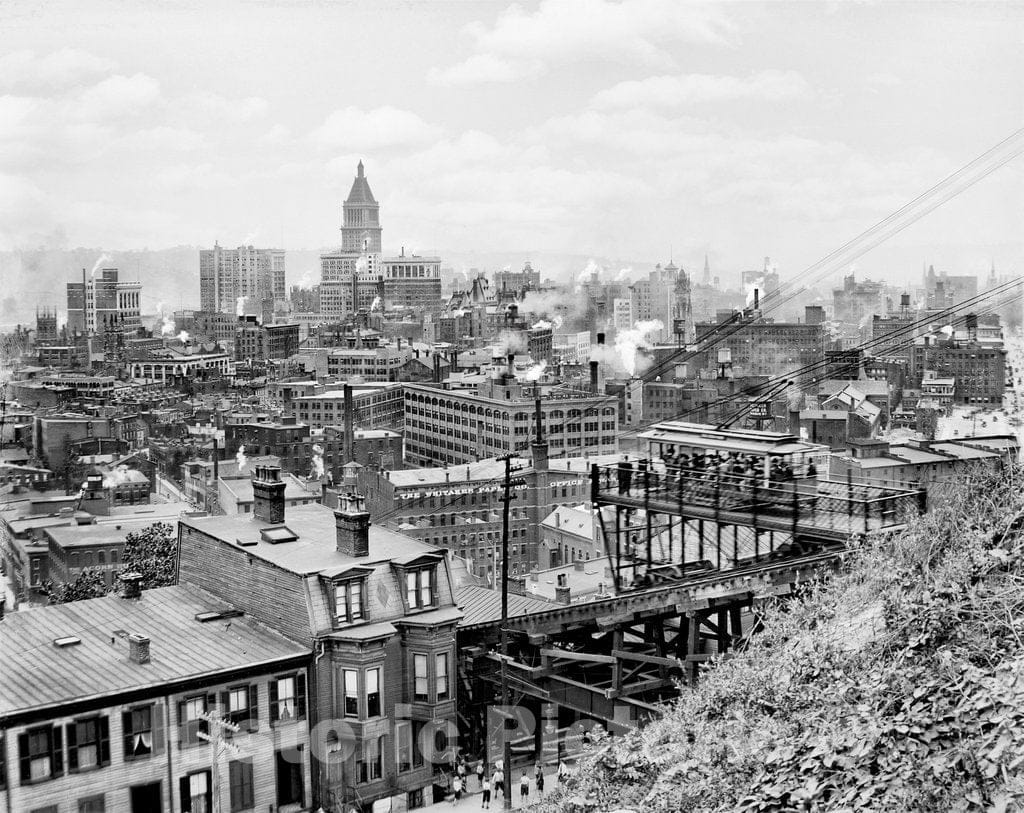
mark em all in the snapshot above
pixel 505 698
pixel 217 742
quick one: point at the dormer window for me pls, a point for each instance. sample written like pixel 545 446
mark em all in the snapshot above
pixel 348 601
pixel 419 588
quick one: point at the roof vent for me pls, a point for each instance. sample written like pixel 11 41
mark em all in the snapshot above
pixel 66 641
pixel 278 534
pixel 217 615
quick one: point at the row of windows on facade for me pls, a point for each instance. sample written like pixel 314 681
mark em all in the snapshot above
pixel 41 750
pixel 424 405
pixel 433 441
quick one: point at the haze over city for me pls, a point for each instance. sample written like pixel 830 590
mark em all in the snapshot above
pixel 629 132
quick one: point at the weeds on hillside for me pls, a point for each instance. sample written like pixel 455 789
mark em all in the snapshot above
pixel 898 684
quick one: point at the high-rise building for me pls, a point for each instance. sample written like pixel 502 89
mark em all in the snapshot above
pixel 104 302
pixel 413 282
pixel 229 274
pixel 351 278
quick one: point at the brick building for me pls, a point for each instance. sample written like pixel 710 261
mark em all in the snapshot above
pixel 378 610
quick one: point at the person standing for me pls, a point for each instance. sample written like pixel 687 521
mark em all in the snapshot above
pixel 457 788
pixel 524 787
pixel 480 773
pixel 540 779
pixel 498 781
pixel 485 792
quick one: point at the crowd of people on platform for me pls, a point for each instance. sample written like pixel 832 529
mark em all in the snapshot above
pixel 742 471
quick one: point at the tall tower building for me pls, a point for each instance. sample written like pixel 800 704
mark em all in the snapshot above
pixel 360 230
pixel 351 277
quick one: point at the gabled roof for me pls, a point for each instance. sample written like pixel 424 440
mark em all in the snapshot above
pixel 360 193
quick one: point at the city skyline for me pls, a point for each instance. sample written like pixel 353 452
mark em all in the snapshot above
pixel 652 130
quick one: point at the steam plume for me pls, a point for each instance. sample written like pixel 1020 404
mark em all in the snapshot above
pixel 241 459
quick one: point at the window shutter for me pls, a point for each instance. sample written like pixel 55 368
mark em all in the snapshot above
pixel 225 703
pixel 72 746
pixel 104 740
pixel 186 798
pixel 24 761
pixel 434 589
pixel 157 721
pixel 57 751
pixel 254 708
pixel 182 724
pixel 300 696
pixel 248 791
pixel 126 734
pixel 273 700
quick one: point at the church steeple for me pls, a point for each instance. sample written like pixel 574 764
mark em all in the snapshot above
pixel 359 169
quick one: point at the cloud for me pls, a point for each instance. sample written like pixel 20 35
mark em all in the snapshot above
pixel 358 130
pixel 526 44
pixel 695 88
pixel 118 96
pixel 27 72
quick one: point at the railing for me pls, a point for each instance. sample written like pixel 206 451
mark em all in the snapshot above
pixel 749 498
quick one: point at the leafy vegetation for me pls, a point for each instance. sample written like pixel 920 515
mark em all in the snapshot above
pixel 896 685
pixel 151 551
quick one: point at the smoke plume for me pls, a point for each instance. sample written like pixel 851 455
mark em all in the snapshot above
pixel 241 459
pixel 627 342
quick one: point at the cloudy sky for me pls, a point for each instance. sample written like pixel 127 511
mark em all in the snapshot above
pixel 617 129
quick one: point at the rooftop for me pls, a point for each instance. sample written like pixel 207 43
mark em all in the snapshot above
pixel 314 549
pixel 482 605
pixel 37 673
pixel 77 536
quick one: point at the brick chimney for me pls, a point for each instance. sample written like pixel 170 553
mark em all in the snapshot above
pixel 138 648
pixel 268 495
pixel 131 585
pixel 352 525
pixel 562 591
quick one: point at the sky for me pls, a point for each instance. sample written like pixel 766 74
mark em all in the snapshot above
pixel 638 129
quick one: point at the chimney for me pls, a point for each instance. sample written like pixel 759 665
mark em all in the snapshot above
pixel 349 450
pixel 563 595
pixel 757 297
pixel 594 377
pixel 512 364
pixel 352 526
pixel 268 495
pixel 131 585
pixel 579 565
pixel 540 446
pixel 794 422
pixel 600 339
pixel 138 648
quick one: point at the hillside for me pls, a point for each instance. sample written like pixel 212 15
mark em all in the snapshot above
pixel 898 685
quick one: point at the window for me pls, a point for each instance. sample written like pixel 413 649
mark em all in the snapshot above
pixel 41 754
pixel 190 721
pixel 348 601
pixel 403 746
pixel 88 743
pixel 419 588
pixel 373 692
pixel 421 688
pixel 143 732
pixel 240 706
pixel 289 776
pixel 288 698
pixel 91 804
pixel 240 781
pixel 195 792
pixel 370 768
pixel 441 675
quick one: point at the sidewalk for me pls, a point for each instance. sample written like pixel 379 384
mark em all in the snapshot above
pixel 471 800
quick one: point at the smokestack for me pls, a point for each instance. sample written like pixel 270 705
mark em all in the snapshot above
pixel 540 446
pixel 349 408
pixel 971 321
pixel 455 360
pixel 352 527
pixel 593 377
pixel 216 461
pixel 757 296
pixel 437 368
pixel 268 495
pixel 512 365
pixel 794 422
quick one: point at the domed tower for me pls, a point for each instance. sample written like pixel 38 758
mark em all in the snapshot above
pixel 361 229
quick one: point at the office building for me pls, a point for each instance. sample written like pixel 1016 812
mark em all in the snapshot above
pixel 104 303
pixel 413 282
pixel 253 275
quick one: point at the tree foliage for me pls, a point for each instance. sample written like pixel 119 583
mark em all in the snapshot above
pixel 153 552
pixel 88 584
pixel 897 685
